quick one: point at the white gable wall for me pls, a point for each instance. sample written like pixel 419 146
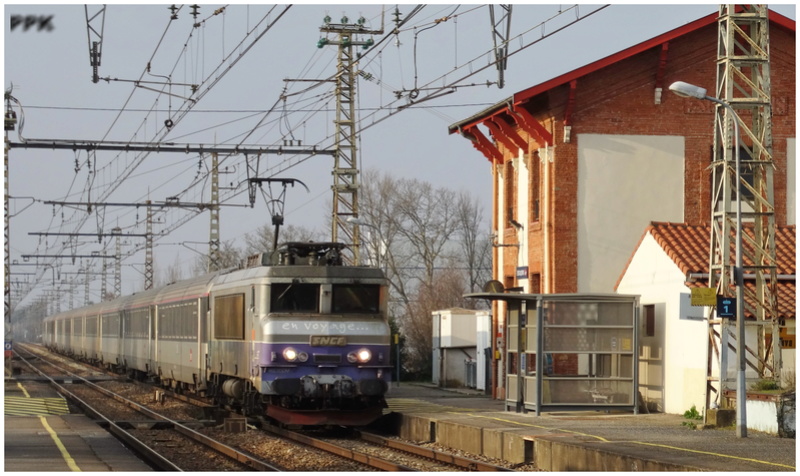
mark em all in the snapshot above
pixel 673 361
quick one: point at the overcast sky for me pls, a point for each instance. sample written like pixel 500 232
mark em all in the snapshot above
pixel 48 65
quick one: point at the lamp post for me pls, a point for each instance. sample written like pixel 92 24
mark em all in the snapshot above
pixel 689 90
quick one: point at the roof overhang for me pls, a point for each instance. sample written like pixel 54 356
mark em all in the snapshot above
pixel 468 126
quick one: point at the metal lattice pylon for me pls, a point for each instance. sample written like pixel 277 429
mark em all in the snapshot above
pixel 118 262
pixel 214 255
pixel 345 166
pixel 148 248
pixel 743 82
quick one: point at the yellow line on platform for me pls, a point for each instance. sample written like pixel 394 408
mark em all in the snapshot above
pixel 713 454
pixel 64 453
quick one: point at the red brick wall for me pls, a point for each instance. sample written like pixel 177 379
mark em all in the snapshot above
pixel 620 99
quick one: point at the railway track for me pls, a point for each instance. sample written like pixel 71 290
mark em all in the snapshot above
pixel 388 454
pixel 186 434
pixel 172 447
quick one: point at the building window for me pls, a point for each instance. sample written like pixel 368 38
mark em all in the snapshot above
pixel 511 193
pixel 536 283
pixel 649 320
pixel 535 168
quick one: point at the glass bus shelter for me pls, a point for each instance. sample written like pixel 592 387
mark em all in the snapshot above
pixel 570 351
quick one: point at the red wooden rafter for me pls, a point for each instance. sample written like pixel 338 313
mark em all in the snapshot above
pixel 529 124
pixel 506 134
pixel 484 145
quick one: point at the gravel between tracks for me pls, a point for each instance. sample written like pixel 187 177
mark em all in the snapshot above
pixel 291 456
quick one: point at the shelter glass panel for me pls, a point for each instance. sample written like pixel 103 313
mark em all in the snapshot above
pixel 584 339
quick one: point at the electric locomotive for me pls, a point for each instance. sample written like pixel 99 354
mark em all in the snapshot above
pixel 295 336
pixel 317 351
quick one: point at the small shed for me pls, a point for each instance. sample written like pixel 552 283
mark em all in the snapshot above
pixel 460 338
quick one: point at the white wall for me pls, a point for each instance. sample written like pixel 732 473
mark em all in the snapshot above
pixel 457 328
pixel 523 212
pixel 484 341
pixel 624 183
pixel 681 342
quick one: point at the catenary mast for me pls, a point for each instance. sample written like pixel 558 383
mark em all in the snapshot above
pixel 743 82
pixel 345 165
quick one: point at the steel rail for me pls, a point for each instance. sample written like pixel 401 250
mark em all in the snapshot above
pixel 222 448
pixel 362 458
pixel 147 453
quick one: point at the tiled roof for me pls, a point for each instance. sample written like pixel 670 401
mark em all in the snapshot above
pixel 688 246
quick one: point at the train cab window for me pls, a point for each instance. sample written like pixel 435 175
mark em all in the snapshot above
pixel 294 297
pixel 355 298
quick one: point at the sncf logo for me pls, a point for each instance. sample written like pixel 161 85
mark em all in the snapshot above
pixel 334 341
pixel 26 22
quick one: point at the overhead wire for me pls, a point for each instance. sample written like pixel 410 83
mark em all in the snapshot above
pixel 490 63
pixel 213 82
pixel 285 165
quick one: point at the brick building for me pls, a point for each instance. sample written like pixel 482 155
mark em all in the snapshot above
pixel 584 162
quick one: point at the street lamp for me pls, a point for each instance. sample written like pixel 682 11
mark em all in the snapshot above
pixel 691 91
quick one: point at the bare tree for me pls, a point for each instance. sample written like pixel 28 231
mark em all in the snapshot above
pixel 434 253
pixel 230 257
pixel 445 291
pixel 173 274
pixel 476 245
pixel 262 239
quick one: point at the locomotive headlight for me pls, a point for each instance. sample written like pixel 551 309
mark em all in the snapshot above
pixel 290 354
pixel 364 355
pixel 360 356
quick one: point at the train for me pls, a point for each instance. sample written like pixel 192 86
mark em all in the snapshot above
pixel 295 335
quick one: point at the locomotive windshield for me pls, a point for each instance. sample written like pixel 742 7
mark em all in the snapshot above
pixel 295 297
pixel 344 298
pixel 355 298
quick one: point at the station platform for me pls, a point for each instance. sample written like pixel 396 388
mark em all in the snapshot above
pixel 40 434
pixel 579 440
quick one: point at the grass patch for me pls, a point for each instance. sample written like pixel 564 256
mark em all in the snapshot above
pixel 692 416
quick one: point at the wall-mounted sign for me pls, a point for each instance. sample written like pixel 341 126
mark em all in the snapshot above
pixel 704 297
pixel 726 307
pixel 522 272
